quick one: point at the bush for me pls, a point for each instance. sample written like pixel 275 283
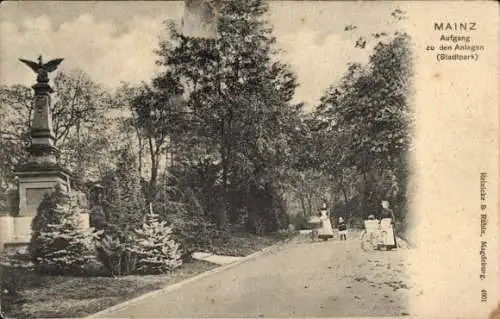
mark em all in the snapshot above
pixel 123 202
pixel 195 233
pixel 299 221
pixel 15 259
pixel 59 245
pixel 194 229
pixel 155 247
pixel 118 211
pixel 113 254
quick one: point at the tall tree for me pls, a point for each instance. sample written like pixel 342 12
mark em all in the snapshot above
pixel 369 118
pixel 123 199
pixel 239 101
pixel 158 113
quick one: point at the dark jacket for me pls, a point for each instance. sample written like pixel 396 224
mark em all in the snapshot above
pixel 387 213
pixel 342 226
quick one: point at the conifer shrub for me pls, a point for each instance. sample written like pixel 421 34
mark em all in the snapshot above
pixel 122 211
pixel 114 255
pixel 155 246
pixel 59 244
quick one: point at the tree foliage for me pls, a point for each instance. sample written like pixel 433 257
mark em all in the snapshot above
pixel 238 106
pixel 154 245
pixel 59 244
pixel 158 115
pixel 215 142
pixel 367 117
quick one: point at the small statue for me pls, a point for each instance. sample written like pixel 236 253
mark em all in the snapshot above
pixel 42 69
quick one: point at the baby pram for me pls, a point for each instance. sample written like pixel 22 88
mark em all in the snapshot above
pixel 315 225
pixel 377 235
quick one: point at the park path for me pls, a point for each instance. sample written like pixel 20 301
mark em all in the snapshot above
pixel 296 279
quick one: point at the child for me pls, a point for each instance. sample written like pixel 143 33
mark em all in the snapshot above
pixel 342 229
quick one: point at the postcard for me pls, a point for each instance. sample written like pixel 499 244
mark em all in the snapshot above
pixel 249 158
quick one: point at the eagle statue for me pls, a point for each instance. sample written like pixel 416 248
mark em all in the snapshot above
pixel 42 69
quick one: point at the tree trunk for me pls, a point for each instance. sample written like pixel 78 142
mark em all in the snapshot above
pixel 154 171
pixel 167 151
pixel 139 139
pixel 363 193
pixel 303 204
pixel 348 213
pixel 309 205
pixel 221 216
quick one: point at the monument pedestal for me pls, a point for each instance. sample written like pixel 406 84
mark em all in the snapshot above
pixel 34 182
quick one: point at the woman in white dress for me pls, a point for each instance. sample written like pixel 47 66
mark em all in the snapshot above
pixel 326 230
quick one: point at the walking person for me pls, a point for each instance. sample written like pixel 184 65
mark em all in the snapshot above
pixel 342 229
pixel 387 213
pixel 326 230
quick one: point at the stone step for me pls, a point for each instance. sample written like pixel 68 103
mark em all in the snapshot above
pixel 215 259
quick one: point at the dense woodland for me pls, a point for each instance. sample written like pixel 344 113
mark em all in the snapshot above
pixel 215 142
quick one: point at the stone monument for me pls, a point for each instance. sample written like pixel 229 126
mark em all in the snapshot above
pixel 41 172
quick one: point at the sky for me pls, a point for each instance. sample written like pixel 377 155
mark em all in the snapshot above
pixel 114 41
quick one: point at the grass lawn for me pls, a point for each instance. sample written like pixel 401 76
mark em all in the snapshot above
pixel 33 296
